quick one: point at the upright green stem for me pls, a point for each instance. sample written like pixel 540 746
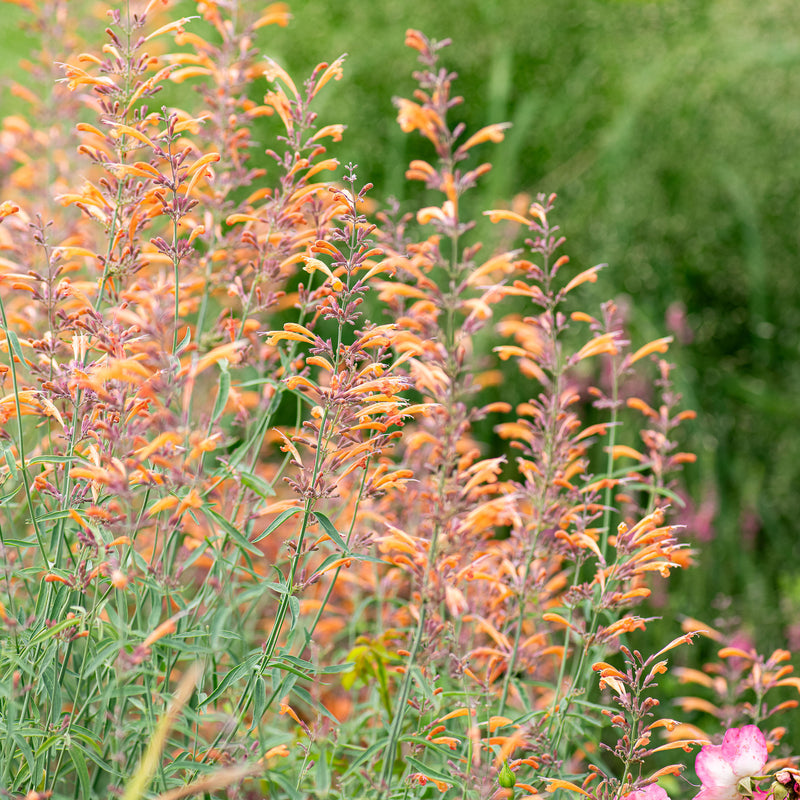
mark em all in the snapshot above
pixel 270 646
pixel 612 441
pixel 577 671
pixel 405 688
pixel 539 506
pixel 453 370
pixel 329 591
pixel 10 339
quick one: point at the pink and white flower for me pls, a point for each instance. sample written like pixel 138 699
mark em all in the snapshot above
pixel 742 754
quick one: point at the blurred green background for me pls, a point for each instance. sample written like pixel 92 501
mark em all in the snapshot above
pixel 669 130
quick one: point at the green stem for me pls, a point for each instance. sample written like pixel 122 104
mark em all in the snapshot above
pixel 405 688
pixel 612 441
pixel 540 501
pixel 323 438
pixel 332 584
pixel 453 373
pixel 21 443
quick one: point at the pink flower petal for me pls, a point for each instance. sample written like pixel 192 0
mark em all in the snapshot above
pixel 713 769
pixel 650 792
pixel 718 793
pixel 745 749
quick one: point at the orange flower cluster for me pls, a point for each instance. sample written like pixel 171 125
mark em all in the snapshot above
pixel 514 577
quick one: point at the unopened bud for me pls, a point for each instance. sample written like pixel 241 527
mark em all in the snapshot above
pixel 778 791
pixel 506 778
pixel 745 787
pixel 787 776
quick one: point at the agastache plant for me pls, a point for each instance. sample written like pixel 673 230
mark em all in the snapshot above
pixel 301 498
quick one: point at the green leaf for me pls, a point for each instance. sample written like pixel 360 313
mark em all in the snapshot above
pixel 257 484
pixel 105 653
pixel 259 705
pixel 428 771
pixel 322 775
pixel 282 686
pixel 288 787
pixel 223 391
pixel 423 684
pixel 52 515
pixel 277 522
pixel 330 529
pixel 4 499
pixel 263 380
pixel 418 742
pixel 196 554
pixel 81 770
pixel 231 530
pixel 278 588
pixel 15 345
pixel 521 720
pixel 24 747
pixel 306 697
pixel 10 459
pixel 301 663
pixel 294 610
pixel 50 681
pixel 289 668
pixel 599 708
pixel 366 755
pixel 86 736
pixel 47 744
pixel 52 631
pixel 185 341
pixel 659 490
pixel 51 460
pixel 234 675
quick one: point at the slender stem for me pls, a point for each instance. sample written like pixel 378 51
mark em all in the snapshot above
pixel 332 584
pixel 326 428
pixel 405 688
pixel 453 371
pixel 540 503
pixel 612 441
pixel 23 468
